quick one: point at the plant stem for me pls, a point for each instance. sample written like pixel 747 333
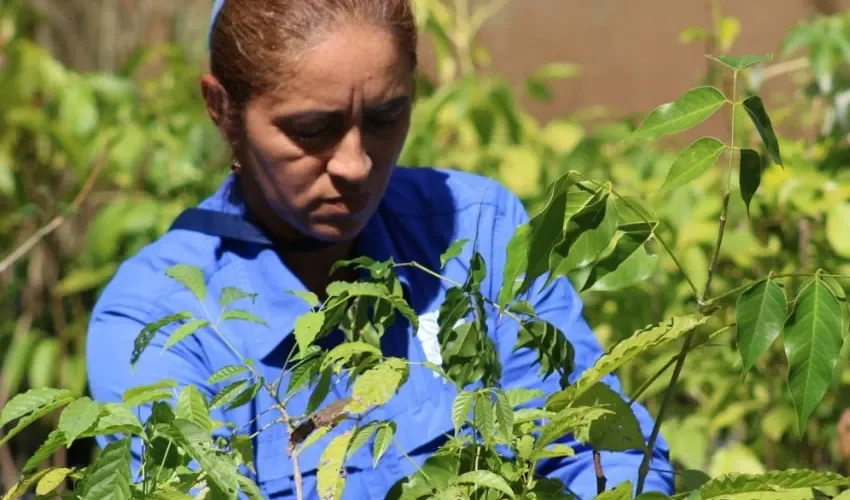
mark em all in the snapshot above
pixel 601 480
pixel 712 268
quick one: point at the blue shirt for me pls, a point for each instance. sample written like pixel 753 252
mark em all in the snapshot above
pixel 422 213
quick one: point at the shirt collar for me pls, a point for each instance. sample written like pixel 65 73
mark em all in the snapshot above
pixel 271 279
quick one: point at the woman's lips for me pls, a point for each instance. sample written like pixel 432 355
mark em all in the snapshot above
pixel 346 205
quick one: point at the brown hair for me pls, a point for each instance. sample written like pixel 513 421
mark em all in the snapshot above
pixel 254 42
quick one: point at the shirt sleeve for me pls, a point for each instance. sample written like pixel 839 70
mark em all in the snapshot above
pixel 560 305
pixel 111 336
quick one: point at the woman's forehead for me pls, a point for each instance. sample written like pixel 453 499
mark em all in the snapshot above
pixel 352 66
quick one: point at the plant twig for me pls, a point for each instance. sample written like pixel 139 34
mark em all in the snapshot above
pixel 601 480
pixel 643 471
pixel 54 224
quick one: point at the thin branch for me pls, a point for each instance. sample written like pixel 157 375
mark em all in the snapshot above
pixel 54 224
pixel 643 471
pixel 601 480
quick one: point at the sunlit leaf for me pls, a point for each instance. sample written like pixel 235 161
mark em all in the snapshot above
pixel 453 251
pixel 307 326
pixel 231 294
pixel 31 406
pixel 147 334
pixel 77 417
pixel 185 330
pixel 377 385
pixel 622 491
pixel 486 479
pixel 241 314
pixel 837 234
pixel 227 372
pixel 760 315
pixel 812 345
pixel 460 408
pixel 383 438
pixel 52 480
pixel 758 115
pixel 741 484
pixel 192 406
pixel 228 394
pixel 616 431
pixel 191 277
pixel 741 62
pixel 574 420
pixel 143 394
pixel 693 162
pixel 329 478
pixel 635 345
pixel 689 110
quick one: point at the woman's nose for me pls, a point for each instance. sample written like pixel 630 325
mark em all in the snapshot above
pixel 350 162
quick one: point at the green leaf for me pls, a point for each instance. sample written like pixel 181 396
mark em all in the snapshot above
pixel 191 277
pixel 365 289
pixel 329 479
pixel 504 414
pixel 78 417
pixel 303 374
pixel 554 351
pixel 342 353
pixel 837 234
pixel 520 395
pixel 52 480
pixel 517 251
pixel 43 362
pixel 307 327
pixel 323 388
pixel 54 442
pixel 749 175
pixel 486 479
pixel 142 394
pixel 758 115
pixel 109 475
pixel 453 251
pixel 30 407
pixel 228 394
pixel 116 418
pixel 460 408
pixel 588 234
pixel 378 385
pixel 241 314
pixel 361 436
pixel 693 162
pixel 244 397
pixel 192 406
pixel 309 297
pixel 483 416
pixel 730 484
pixel 231 294
pixel 692 108
pixel 572 420
pixel 627 264
pixel 622 491
pixel 741 62
pixel 812 345
pixel 147 334
pixel 553 451
pixel 383 438
pixel 760 314
pixel 624 351
pixel 184 331
pixel 616 431
pixel 220 470
pixel 227 372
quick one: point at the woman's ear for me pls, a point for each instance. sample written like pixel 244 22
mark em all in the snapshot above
pixel 218 107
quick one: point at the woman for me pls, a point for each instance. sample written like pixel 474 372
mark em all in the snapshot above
pixel 314 96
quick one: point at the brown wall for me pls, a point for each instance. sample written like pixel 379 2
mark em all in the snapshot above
pixel 629 50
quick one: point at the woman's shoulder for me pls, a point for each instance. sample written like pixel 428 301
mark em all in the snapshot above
pixel 424 191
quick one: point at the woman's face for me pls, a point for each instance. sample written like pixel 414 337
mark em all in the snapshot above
pixel 320 149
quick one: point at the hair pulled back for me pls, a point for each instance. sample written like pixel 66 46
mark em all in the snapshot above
pixel 255 43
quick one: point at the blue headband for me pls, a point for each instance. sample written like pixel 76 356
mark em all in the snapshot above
pixel 216 10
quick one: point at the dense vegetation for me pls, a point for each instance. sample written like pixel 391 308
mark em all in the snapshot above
pixel 739 263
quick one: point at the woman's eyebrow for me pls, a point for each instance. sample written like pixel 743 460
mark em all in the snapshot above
pixel 390 105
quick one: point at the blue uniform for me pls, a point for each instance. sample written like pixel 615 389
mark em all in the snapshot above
pixel 422 213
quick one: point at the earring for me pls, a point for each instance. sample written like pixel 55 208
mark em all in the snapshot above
pixel 235 166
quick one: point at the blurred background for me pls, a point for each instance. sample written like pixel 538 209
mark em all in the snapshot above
pixel 104 140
